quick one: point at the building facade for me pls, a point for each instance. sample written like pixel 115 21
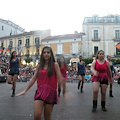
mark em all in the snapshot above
pixel 68 45
pixel 7 28
pixel 27 44
pixel 101 33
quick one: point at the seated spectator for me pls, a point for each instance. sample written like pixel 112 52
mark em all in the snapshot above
pixel 87 77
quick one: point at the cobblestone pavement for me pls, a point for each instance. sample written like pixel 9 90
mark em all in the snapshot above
pixel 73 106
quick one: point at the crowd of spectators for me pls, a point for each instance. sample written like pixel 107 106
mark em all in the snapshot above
pixel 27 71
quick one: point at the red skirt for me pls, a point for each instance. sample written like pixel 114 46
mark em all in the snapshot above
pixel 101 77
pixel 46 94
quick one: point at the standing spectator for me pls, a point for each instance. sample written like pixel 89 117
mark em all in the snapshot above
pixel 100 69
pixel 46 74
pixel 63 68
pixel 80 68
pixel 13 69
pixel 112 72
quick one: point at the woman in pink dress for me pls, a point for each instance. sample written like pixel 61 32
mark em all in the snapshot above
pixel 63 68
pixel 100 69
pixel 46 74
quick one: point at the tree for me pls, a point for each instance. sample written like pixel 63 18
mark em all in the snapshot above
pixel 28 60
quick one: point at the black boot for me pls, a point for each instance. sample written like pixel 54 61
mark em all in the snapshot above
pixel 81 89
pixel 59 91
pixel 94 106
pixel 103 106
pixel 79 84
pixel 110 93
pixel 13 93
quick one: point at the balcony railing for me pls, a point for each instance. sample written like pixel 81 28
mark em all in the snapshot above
pixel 116 39
pixel 96 39
pixel 37 44
pixel 9 46
pixel 27 45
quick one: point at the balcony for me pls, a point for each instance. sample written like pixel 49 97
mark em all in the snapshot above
pixel 10 46
pixel 116 39
pixel 96 39
pixel 37 44
pixel 27 45
pixel 58 53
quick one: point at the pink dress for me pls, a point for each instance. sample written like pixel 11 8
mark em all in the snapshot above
pixel 46 87
pixel 63 72
pixel 102 72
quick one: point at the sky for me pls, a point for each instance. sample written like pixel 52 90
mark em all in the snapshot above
pixel 61 16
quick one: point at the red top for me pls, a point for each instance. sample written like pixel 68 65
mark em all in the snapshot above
pixel 63 70
pixel 46 87
pixel 101 68
pixel 102 72
pixel 44 79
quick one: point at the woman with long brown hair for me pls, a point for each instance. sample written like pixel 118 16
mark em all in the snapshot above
pixel 46 74
pixel 63 68
pixel 100 69
pixel 13 71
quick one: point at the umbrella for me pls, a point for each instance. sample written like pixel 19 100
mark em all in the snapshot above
pixel 8 50
pixel 118 46
pixel 1 50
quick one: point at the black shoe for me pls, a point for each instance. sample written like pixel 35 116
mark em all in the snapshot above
pixel 79 84
pixel 103 106
pixel 94 106
pixel 13 95
pixel 94 109
pixel 104 109
pixel 111 95
pixel 81 89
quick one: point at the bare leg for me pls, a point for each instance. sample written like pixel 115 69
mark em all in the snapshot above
pixel 79 82
pixel 38 108
pixel 103 96
pixel 96 86
pixel 48 111
pixel 64 86
pixel 9 79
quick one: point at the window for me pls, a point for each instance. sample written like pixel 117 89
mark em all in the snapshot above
pixel 19 42
pixel 95 50
pixel 2 44
pixel 27 41
pixel 2 27
pixel 59 48
pixel 117 51
pixel 74 47
pixel 10 44
pixel 117 34
pixel 37 41
pixel 95 34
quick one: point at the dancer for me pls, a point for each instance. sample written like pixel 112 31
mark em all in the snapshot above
pixel 46 74
pixel 80 68
pixel 112 72
pixel 13 71
pixel 100 69
pixel 63 68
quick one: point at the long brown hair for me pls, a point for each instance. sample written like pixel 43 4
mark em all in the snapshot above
pixel 60 62
pixel 12 55
pixel 50 68
pixel 98 53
